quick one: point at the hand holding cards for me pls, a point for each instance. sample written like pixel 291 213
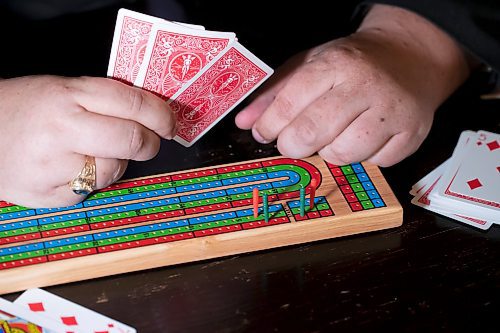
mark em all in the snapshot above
pixel 202 74
pixel 465 187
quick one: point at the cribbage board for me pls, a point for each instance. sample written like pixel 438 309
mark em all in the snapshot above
pixel 188 216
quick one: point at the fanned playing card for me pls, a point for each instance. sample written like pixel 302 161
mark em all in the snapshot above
pixel 211 94
pixel 174 55
pixel 130 39
pixel 75 317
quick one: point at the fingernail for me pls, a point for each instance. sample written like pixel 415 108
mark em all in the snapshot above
pixel 258 137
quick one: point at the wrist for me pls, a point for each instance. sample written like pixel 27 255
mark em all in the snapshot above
pixel 438 59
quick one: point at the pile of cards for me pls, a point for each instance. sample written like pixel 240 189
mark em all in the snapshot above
pixel 37 310
pixel 466 187
pixel 202 74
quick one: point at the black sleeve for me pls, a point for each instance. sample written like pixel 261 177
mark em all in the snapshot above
pixel 475 24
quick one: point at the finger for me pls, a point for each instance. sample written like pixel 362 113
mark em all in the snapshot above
pixel 52 188
pixel 264 97
pixel 368 133
pixel 304 86
pixel 50 199
pixel 108 171
pixel 43 194
pixel 112 98
pixel 247 117
pixel 395 150
pixel 60 196
pixel 96 135
pixel 322 121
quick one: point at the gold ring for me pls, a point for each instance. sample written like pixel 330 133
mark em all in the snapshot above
pixel 84 183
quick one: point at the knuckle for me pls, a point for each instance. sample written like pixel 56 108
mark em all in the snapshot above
pixel 283 106
pixel 135 140
pixel 307 133
pixel 336 154
pixel 348 50
pixel 356 64
pixel 136 100
pixel 60 89
pixel 342 53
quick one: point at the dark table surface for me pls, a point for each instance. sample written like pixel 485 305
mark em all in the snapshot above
pixel 432 274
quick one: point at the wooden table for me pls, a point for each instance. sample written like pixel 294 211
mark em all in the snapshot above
pixel 430 274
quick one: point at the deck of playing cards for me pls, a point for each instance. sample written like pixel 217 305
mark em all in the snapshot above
pixel 466 187
pixel 37 310
pixel 201 74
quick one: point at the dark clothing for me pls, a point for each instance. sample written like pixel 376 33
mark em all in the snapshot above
pixel 46 9
pixel 69 38
pixel 475 24
pixel 49 9
pixel 265 30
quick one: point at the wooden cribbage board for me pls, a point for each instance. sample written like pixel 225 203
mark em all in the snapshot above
pixel 188 216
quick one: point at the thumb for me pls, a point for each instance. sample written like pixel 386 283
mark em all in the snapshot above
pixel 265 96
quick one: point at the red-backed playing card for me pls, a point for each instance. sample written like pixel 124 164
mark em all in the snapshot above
pixel 130 39
pixel 210 95
pixel 174 55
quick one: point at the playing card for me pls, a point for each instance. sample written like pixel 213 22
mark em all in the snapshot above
pixel 211 94
pixel 130 39
pixel 423 183
pixel 189 25
pixel 457 155
pixel 174 55
pixel 68 313
pixel 463 141
pixel 421 199
pixel 473 181
pixel 16 319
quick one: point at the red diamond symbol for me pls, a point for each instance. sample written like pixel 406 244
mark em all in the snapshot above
pixel 475 183
pixel 70 321
pixel 493 145
pixel 36 307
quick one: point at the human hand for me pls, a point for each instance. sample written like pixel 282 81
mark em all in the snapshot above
pixel 369 96
pixel 48 125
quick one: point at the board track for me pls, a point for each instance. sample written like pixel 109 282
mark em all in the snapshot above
pixel 188 216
